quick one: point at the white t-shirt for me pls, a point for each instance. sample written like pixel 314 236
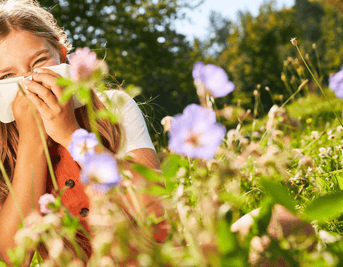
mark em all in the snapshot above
pixel 134 131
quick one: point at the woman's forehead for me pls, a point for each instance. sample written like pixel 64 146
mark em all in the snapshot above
pixel 21 46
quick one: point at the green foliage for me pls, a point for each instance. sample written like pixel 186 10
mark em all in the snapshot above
pixel 325 207
pixel 138 42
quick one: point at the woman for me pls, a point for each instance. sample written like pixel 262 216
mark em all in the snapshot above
pixel 30 39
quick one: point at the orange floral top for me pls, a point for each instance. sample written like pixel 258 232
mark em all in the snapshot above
pixel 67 173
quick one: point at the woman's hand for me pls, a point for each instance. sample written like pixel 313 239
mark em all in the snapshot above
pixel 26 123
pixel 59 120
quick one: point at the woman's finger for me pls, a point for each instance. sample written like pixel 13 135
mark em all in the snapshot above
pixel 45 95
pixel 48 79
pixel 41 106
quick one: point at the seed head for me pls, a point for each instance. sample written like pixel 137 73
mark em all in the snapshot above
pixel 294 41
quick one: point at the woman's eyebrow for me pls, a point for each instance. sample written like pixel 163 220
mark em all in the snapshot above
pixel 30 59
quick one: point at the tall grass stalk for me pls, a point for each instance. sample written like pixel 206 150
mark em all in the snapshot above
pixel 318 61
pixel 46 150
pixel 295 44
pixel 9 185
pixel 284 103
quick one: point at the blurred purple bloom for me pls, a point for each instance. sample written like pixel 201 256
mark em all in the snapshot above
pixel 213 78
pixel 82 144
pixel 196 133
pixel 82 63
pixel 100 170
pixel 336 83
pixel 43 202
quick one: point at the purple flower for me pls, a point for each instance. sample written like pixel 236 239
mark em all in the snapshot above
pixel 213 78
pixel 195 133
pixel 82 144
pixel 44 200
pixel 100 170
pixel 83 63
pixel 336 83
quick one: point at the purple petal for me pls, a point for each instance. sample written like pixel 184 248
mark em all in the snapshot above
pixel 336 83
pixel 103 167
pixel 197 70
pixel 195 133
pixel 216 80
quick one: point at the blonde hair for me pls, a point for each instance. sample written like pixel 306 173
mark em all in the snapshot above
pixel 27 15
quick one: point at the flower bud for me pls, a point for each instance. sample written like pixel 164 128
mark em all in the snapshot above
pixel 314 46
pixel 283 77
pixel 256 93
pixel 294 41
pixel 166 122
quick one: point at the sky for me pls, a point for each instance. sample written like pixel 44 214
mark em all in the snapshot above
pixel 228 8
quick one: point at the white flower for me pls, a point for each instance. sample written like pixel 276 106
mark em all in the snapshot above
pixel 327 237
pixel 44 201
pixel 322 150
pixel 26 237
pixel 166 122
pixel 55 248
pixel 314 135
pixel 52 219
pixel 331 137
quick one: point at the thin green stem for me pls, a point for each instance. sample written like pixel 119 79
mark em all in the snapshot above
pixel 318 61
pixel 255 114
pixel 9 186
pixel 46 150
pixel 292 96
pixel 271 96
pixel 318 85
pixel 299 88
pixel 92 120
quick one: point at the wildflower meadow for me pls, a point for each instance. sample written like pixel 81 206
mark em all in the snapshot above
pixel 284 167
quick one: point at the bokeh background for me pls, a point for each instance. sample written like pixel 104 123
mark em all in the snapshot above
pixel 153 44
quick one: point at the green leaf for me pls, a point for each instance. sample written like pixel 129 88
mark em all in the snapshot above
pixel 64 82
pixel 157 190
pixel 325 207
pixel 262 220
pixel 106 114
pixel 148 173
pixel 83 95
pixel 133 90
pixel 67 94
pixel 226 240
pixel 279 194
pixel 171 165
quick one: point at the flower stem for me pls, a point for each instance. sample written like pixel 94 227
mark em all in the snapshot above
pixel 46 150
pixel 92 120
pixel 9 186
pixel 318 84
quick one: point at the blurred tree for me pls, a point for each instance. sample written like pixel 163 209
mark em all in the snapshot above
pixel 309 14
pixel 331 49
pixel 139 42
pixel 256 50
pixel 334 4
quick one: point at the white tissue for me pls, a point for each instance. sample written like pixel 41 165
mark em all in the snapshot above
pixel 10 87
